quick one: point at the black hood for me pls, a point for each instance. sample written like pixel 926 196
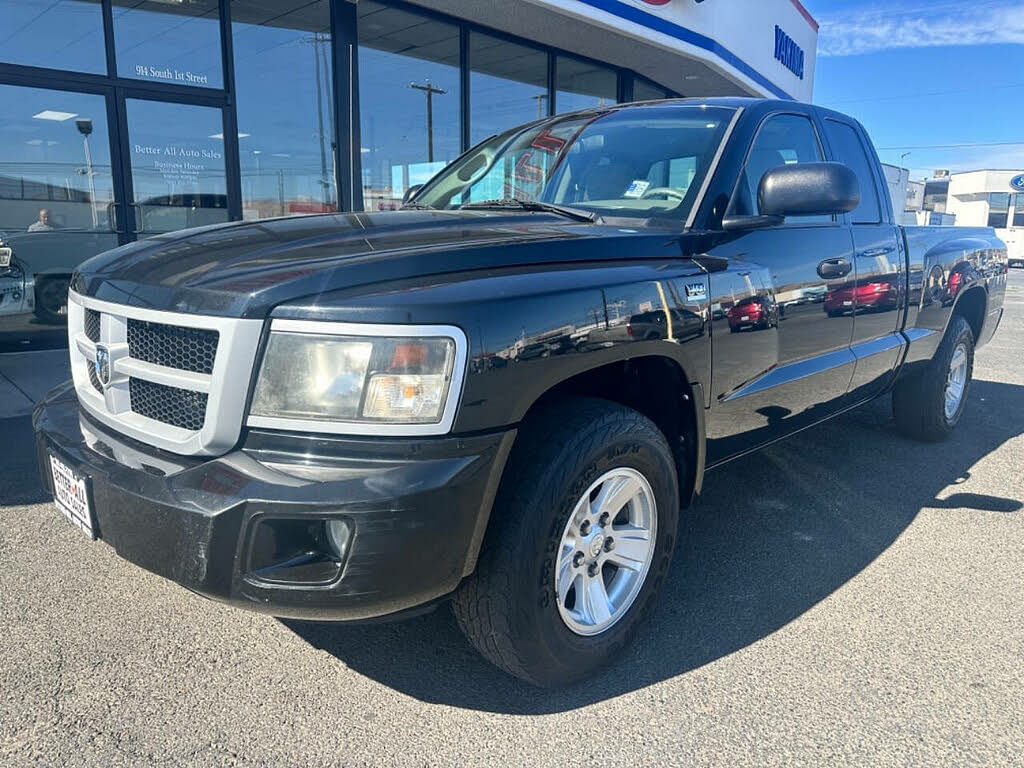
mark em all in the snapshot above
pixel 244 269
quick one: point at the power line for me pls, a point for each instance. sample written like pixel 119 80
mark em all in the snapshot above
pixel 900 97
pixel 955 146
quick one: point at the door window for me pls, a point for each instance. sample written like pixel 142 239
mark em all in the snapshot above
pixel 177 165
pixel 849 149
pixel 781 140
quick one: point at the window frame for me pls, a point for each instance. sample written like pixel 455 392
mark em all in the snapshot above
pixel 825 154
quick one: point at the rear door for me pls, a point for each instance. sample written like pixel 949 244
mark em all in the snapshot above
pixel 793 366
pixel 878 295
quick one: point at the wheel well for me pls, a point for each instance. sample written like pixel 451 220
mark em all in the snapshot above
pixel 656 387
pixel 971 306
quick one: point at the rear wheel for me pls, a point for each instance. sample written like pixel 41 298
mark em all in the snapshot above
pixel 929 404
pixel 581 538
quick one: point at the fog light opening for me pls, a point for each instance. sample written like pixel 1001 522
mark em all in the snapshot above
pixel 339 535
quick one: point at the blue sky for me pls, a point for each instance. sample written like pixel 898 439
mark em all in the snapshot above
pixel 925 75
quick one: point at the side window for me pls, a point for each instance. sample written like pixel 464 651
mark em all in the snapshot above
pixel 849 149
pixel 781 140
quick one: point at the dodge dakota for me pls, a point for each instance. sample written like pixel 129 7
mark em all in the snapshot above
pixel 503 395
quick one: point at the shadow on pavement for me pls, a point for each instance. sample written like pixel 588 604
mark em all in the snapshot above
pixel 19 476
pixel 773 534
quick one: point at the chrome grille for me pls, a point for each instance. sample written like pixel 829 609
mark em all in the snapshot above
pixel 173 346
pixel 92 325
pixel 169 405
pixel 172 380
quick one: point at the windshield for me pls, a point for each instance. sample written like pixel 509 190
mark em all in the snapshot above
pixel 641 162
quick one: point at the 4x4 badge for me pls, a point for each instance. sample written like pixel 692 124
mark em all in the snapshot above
pixel 102 365
pixel 696 291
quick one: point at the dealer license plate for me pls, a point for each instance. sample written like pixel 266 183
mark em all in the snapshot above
pixel 72 497
pixel 847 303
pixel 745 318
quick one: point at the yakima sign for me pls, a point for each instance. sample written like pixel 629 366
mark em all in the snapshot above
pixel 789 53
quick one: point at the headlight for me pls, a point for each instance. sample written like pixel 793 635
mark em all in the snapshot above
pixel 359 379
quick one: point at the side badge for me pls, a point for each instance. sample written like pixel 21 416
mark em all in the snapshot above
pixel 696 291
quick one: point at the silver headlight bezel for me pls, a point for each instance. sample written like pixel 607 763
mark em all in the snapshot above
pixel 372 331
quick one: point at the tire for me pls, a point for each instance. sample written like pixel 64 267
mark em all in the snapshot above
pixel 919 401
pixel 509 609
pixel 52 300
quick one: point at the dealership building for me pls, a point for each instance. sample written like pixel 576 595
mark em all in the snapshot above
pixel 127 118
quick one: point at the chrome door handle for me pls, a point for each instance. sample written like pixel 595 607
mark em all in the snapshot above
pixel 872 253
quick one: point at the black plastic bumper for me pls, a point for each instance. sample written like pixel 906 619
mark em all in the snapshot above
pixel 418 509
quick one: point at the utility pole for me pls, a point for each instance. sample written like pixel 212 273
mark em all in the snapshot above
pixel 430 90
pixel 84 126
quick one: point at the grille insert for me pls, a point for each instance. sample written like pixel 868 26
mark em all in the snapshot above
pixel 93 378
pixel 170 405
pixel 173 346
pixel 92 325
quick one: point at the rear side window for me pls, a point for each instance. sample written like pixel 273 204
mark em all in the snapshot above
pixel 849 149
pixel 782 140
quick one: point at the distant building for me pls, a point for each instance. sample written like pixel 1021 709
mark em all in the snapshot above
pixel 990 198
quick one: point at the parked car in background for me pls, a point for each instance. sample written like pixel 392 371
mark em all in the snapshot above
pixel 473 400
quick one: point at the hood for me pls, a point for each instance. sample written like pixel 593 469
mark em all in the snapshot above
pixel 243 269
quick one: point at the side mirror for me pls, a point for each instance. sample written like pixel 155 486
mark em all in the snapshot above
pixel 808 189
pixel 410 193
pixel 801 189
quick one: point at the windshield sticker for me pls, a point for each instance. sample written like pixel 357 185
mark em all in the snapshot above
pixel 637 188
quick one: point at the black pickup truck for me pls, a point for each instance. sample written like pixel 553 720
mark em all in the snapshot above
pixel 504 394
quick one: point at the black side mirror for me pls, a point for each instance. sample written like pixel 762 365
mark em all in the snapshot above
pixel 410 193
pixel 808 189
pixel 801 189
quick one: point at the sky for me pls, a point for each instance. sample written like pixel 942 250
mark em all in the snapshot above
pixel 922 76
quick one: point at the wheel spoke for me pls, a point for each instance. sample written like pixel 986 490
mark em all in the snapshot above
pixel 614 494
pixel 595 601
pixel 566 576
pixel 632 546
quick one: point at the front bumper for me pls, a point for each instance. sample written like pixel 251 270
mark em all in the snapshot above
pixel 418 509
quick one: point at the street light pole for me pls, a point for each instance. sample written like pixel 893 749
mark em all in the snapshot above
pixel 430 90
pixel 84 126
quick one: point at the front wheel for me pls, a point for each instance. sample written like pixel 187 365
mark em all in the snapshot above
pixel 581 538
pixel 929 404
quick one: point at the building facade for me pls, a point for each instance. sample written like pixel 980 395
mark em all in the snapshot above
pixel 991 198
pixel 129 118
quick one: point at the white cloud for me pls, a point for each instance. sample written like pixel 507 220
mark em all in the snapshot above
pixel 923 26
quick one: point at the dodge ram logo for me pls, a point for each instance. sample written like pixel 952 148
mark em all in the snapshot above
pixel 102 365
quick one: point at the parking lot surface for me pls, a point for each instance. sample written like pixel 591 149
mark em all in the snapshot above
pixel 846 597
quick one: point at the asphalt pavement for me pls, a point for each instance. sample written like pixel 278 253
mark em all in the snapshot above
pixel 847 597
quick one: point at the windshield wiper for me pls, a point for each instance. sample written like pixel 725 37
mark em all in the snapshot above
pixel 414 206
pixel 534 205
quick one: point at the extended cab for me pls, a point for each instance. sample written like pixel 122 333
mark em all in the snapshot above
pixel 505 394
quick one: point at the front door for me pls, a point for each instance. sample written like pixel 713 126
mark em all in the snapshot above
pixel 176 173
pixel 781 351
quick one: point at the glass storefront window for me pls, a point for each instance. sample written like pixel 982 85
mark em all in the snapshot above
pixel 508 85
pixel 645 90
pixel 409 100
pixel 1018 211
pixel 59 34
pixel 581 85
pixel 283 78
pixel 998 209
pixel 55 193
pixel 169 42
pixel 177 164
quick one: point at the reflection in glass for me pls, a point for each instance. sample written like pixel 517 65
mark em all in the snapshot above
pixel 55 193
pixel 60 34
pixel 645 90
pixel 409 100
pixel 508 85
pixel 581 85
pixel 177 160
pixel 169 42
pixel 283 78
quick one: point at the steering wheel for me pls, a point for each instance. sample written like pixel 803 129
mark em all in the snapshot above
pixel 667 191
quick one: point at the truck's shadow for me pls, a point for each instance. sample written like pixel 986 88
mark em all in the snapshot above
pixel 774 534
